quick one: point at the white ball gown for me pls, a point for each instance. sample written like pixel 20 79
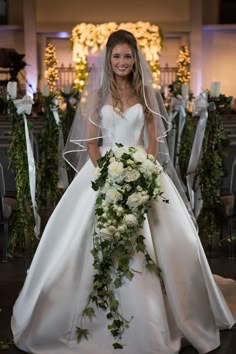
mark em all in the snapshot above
pixel 59 281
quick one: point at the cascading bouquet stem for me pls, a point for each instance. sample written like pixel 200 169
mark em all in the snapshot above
pixel 127 181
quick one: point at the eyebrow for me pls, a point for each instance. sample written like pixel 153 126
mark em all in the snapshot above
pixel 121 53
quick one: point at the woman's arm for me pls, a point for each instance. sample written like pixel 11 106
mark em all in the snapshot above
pixel 151 130
pixel 93 151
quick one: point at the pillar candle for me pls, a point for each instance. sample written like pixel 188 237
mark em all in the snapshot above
pixel 45 91
pixel 215 89
pixel 67 89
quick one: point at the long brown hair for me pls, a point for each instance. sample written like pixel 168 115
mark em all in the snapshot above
pixel 124 37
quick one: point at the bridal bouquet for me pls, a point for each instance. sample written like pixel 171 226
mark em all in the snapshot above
pixel 127 180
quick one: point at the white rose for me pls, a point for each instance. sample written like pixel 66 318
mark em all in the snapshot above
pixel 121 228
pixel 113 196
pixel 132 175
pixel 147 168
pixel 112 229
pixel 105 233
pixel 130 220
pixel 140 155
pixel 120 151
pixel 115 171
pixel 134 200
pixel 119 211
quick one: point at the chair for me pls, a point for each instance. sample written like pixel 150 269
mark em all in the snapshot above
pixel 7 205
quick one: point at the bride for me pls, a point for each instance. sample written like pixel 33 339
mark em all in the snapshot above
pixel 120 106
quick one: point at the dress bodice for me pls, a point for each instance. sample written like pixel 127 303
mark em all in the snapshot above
pixel 126 129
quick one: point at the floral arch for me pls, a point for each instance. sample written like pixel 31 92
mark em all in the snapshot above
pixel 87 39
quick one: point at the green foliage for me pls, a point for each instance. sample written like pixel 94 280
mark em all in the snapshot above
pixel 209 177
pixel 22 232
pixel 6 344
pixel 48 192
pixel 116 237
pixel 67 117
pixel 186 145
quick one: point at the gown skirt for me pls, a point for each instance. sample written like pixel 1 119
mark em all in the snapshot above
pixel 59 281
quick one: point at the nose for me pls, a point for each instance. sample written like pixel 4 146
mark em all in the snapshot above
pixel 122 61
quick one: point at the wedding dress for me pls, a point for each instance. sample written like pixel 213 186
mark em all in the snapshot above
pixel 59 281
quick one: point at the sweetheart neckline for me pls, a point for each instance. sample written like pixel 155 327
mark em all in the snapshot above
pixel 123 113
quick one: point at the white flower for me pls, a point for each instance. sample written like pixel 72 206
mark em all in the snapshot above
pixel 121 228
pixel 120 211
pixel 130 220
pixel 140 155
pixel 106 233
pixel 147 168
pixel 132 175
pixel 115 171
pixel 135 200
pixel 112 229
pixel 113 196
pixel 120 151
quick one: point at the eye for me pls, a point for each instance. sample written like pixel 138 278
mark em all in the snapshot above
pixel 129 56
pixel 116 56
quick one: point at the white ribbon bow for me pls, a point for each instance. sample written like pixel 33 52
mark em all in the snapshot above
pixel 24 106
pixel 200 108
pixel 178 108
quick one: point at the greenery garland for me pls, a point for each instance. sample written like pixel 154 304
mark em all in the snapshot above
pixel 209 176
pixel 48 191
pixel 67 116
pixel 186 145
pixel 127 180
pixel 22 232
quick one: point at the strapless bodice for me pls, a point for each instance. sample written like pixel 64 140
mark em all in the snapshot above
pixel 126 129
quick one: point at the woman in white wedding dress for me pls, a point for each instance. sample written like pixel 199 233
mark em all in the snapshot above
pixel 121 108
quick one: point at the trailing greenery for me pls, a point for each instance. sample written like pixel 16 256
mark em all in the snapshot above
pixel 186 145
pixel 209 176
pixel 22 231
pixel 127 180
pixel 48 191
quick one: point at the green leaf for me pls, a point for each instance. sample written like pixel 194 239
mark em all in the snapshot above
pixel 151 267
pixel 114 305
pixel 129 275
pixel 117 346
pixel 89 312
pixel 81 332
pixel 118 283
pixel 109 315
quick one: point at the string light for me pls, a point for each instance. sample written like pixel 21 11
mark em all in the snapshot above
pixel 89 38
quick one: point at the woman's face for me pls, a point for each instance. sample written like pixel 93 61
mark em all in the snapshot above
pixel 122 60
